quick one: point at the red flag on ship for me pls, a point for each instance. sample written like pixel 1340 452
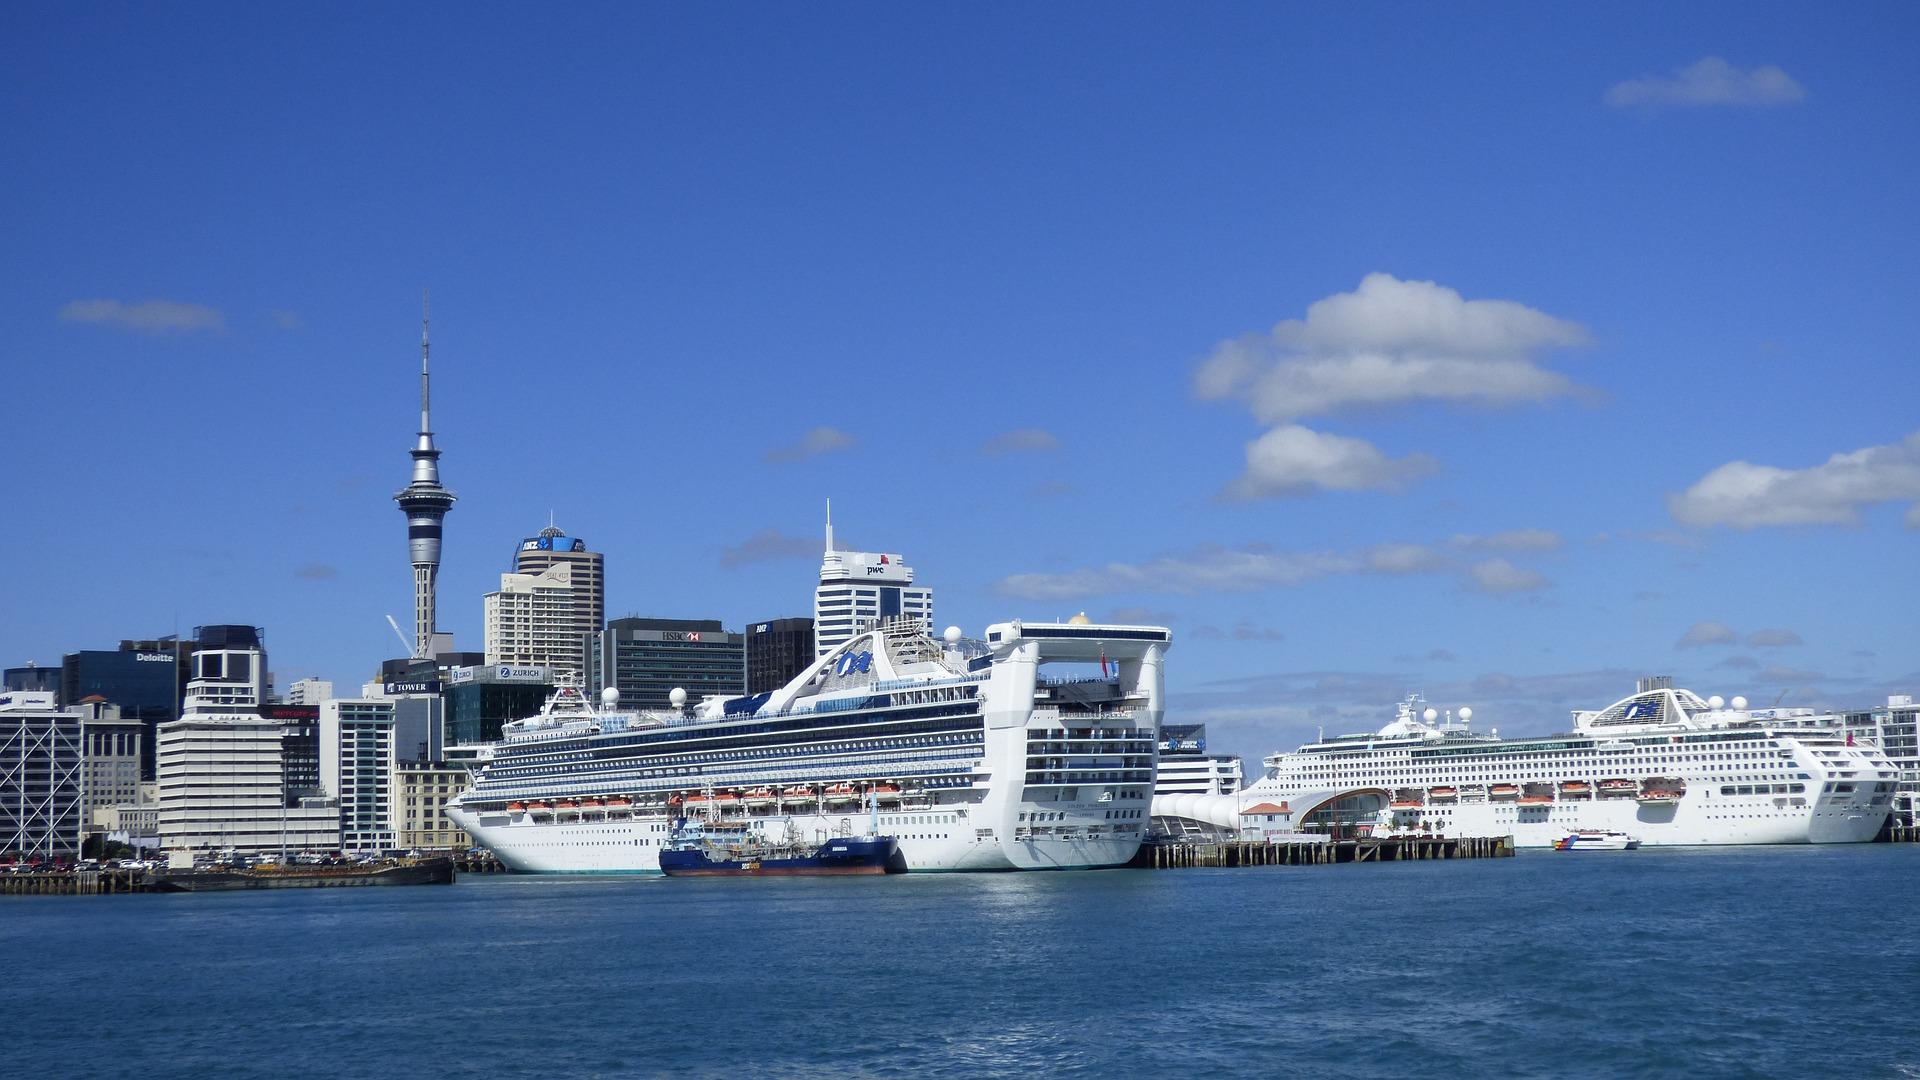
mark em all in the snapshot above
pixel 1103 662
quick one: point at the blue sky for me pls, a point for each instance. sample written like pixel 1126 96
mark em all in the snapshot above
pixel 1500 353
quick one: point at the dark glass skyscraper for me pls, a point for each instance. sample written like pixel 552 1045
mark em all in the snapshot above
pixel 646 659
pixel 144 681
pixel 777 650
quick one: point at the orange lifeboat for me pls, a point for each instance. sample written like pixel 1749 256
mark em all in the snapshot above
pixel 1503 791
pixel 516 806
pixel 797 793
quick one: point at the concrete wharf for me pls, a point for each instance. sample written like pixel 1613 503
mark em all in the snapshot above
pixel 1174 854
pixel 75 883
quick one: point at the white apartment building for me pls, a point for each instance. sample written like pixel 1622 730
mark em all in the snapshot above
pixel 220 774
pixel 308 691
pixel 357 764
pixel 530 621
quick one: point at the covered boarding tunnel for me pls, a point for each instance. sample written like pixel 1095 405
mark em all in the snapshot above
pixel 1339 814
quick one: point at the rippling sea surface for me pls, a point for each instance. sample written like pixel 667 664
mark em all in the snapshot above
pixel 1731 962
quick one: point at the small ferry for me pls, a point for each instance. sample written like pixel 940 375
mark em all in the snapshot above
pixel 1596 840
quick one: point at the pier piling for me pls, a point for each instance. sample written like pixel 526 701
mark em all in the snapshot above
pixel 1186 854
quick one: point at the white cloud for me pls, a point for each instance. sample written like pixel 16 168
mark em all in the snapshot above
pixel 1405 559
pixel 820 440
pixel 1255 568
pixel 1050 489
pixel 1391 342
pixel 1241 631
pixel 1707 633
pixel 1140 616
pixel 1913 516
pixel 1743 495
pixel 145 316
pixel 285 319
pixel 1774 639
pixel 1207 569
pixel 1293 460
pixel 1511 540
pixel 1501 576
pixel 1711 81
pixel 769 545
pixel 1020 441
pixel 1778 674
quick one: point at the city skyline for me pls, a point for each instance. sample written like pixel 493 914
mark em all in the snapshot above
pixel 1502 356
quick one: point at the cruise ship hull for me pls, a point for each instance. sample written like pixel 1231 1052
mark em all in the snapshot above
pixel 633 846
pixel 972 761
pixel 1687 823
pixel 1662 765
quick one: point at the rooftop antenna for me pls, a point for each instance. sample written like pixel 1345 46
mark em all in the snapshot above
pixel 829 526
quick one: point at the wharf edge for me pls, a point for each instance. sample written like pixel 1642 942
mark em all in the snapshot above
pixel 1180 854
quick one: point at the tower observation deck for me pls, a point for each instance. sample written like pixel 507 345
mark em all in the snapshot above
pixel 425 503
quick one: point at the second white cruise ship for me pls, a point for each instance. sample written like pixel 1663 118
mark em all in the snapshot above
pixel 1662 765
pixel 963 751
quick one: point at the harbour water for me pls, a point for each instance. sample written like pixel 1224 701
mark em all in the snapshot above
pixel 1732 962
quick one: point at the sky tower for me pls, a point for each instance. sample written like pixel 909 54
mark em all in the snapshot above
pixel 426 504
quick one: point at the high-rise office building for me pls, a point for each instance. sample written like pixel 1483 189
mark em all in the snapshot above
pixel 223 767
pixel 425 503
pixel 777 650
pixel 109 758
pixel 33 677
pixel 481 698
pixel 42 784
pixel 529 620
pixel 143 677
pixel 860 590
pixel 647 659
pixel 421 791
pixel 587 572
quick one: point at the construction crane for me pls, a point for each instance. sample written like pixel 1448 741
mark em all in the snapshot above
pixel 404 643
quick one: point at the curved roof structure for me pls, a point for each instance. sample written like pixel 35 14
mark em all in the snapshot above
pixel 1225 811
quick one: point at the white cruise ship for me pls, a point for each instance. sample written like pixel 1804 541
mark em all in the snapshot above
pixel 963 751
pixel 1663 765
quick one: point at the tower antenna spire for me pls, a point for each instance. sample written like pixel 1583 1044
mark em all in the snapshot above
pixel 425 502
pixel 425 296
pixel 829 526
